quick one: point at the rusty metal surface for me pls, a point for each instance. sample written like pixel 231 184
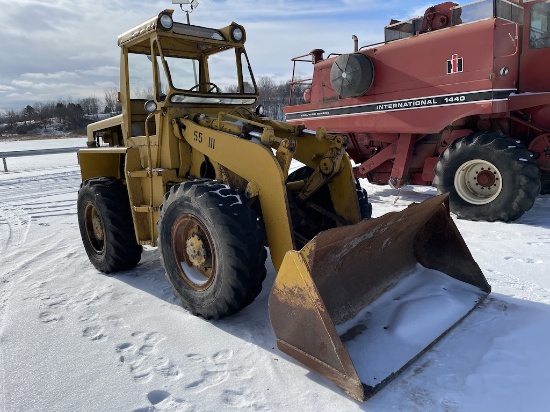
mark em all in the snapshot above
pixel 357 264
pixel 345 269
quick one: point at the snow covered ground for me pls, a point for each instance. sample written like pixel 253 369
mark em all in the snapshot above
pixel 73 339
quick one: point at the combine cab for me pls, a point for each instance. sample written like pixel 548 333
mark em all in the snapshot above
pixel 192 167
pixel 458 98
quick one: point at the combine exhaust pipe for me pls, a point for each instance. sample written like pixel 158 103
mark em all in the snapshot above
pixel 348 304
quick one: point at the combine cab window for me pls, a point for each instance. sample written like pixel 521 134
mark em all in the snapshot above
pixel 468 13
pixel 485 9
pixel 539 34
pixel 471 12
pixel 509 11
pixel 402 29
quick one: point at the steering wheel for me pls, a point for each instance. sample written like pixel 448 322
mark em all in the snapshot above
pixel 213 88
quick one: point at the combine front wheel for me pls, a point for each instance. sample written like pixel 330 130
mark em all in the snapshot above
pixel 106 225
pixel 212 248
pixel 489 177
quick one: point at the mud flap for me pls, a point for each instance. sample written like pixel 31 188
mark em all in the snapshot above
pixel 358 304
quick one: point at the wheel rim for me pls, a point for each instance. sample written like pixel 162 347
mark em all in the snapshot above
pixel 95 231
pixel 193 251
pixel 478 182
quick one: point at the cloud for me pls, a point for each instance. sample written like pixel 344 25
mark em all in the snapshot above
pixel 42 85
pixel 65 48
pixel 26 94
pixel 104 85
pixel 108 71
pixel 57 75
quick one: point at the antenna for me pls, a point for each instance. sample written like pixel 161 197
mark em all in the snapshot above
pixel 192 3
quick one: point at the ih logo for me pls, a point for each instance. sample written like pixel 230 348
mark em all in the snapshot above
pixel 455 64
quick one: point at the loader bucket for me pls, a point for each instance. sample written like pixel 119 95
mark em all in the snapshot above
pixel 358 304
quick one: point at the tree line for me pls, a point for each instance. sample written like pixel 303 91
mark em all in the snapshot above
pixel 69 115
pixel 274 96
pixel 62 115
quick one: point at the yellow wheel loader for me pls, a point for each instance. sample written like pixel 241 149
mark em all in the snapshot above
pixel 192 167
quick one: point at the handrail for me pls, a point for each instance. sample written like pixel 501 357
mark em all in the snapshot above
pixel 36 152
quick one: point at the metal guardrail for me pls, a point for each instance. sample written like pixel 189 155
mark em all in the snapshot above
pixel 21 153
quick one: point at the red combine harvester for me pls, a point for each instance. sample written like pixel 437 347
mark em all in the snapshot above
pixel 458 98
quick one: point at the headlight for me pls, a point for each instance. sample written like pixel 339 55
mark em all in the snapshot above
pixel 150 106
pixel 237 34
pixel 166 21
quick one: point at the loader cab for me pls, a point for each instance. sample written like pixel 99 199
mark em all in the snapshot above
pixel 171 68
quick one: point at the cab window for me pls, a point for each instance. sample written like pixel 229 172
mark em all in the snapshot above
pixel 539 33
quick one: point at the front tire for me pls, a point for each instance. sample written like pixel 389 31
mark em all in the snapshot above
pixel 106 225
pixel 212 248
pixel 489 177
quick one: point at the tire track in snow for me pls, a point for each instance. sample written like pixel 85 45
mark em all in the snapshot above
pixel 14 226
pixel 42 196
pixel 5 293
pixel 25 200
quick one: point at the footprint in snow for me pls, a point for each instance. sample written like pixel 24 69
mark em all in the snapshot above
pixel 523 260
pixel 208 379
pixel 142 358
pixel 243 398
pixel 49 317
pixel 164 401
pixel 216 369
pixel 94 332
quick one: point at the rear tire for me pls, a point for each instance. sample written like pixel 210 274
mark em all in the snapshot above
pixel 211 247
pixel 106 225
pixel 489 177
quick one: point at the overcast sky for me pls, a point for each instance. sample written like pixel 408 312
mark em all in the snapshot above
pixel 61 49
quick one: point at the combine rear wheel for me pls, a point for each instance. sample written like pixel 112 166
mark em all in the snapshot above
pixel 489 177
pixel 212 248
pixel 106 226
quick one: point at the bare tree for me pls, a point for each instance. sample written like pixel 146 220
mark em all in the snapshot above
pixel 273 96
pixel 12 117
pixel 28 114
pixel 111 99
pixel 90 105
pixel 44 113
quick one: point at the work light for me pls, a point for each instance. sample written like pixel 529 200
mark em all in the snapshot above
pixel 237 34
pixel 166 21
